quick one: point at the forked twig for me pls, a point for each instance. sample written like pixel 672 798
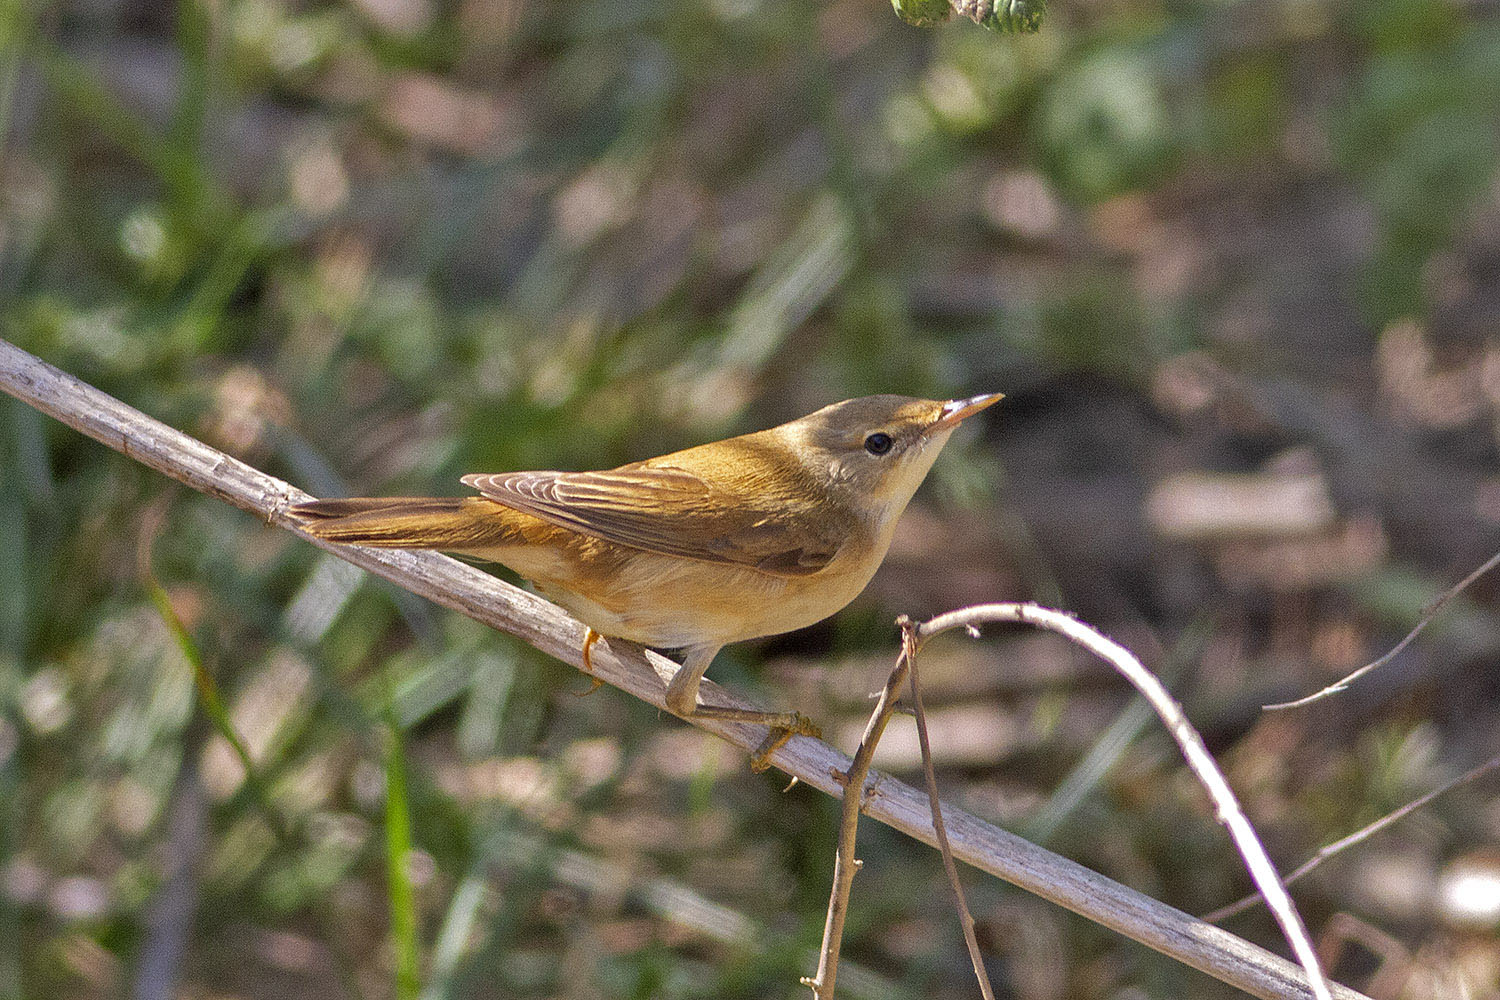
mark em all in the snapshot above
pixel 1427 616
pixel 845 865
pixel 1262 871
pixel 1363 833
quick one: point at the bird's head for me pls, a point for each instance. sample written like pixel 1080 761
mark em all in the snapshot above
pixel 875 450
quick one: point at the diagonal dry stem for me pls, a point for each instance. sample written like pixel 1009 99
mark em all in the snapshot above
pixel 1358 836
pixel 1427 616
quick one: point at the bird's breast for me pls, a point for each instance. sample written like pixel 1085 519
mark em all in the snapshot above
pixel 671 601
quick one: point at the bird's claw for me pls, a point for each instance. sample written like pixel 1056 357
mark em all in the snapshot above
pixel 589 638
pixel 778 737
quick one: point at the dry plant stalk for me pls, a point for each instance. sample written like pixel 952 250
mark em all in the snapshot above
pixel 1358 836
pixel 643 674
pixel 1431 612
pixel 1262 871
pixel 1199 761
pixel 845 864
pixel 909 644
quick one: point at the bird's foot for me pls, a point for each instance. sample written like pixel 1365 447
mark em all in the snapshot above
pixel 782 725
pixel 781 732
pixel 589 638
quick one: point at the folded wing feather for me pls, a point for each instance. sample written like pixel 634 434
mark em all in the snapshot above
pixel 672 511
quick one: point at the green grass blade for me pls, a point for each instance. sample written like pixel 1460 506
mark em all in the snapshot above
pixel 453 938
pixel 208 689
pixel 398 874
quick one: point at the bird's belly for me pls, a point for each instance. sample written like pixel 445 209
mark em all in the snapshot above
pixel 672 602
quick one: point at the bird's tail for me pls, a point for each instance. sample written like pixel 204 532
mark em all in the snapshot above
pixel 452 523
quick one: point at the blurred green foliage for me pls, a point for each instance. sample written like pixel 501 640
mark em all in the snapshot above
pixel 1419 133
pixel 372 245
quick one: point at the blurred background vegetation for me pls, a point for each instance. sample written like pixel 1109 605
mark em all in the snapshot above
pixel 1237 265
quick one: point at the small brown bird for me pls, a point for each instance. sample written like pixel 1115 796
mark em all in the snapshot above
pixel 746 537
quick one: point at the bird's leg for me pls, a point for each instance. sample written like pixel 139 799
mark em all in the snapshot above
pixel 682 699
pixel 589 638
pixel 682 690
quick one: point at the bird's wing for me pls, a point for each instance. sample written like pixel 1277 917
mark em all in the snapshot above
pixel 672 511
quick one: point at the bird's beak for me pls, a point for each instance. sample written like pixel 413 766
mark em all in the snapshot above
pixel 957 409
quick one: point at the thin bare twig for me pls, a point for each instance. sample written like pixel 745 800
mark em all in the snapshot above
pixel 1427 616
pixel 965 918
pixel 1262 871
pixel 845 864
pixel 1363 833
pixel 643 674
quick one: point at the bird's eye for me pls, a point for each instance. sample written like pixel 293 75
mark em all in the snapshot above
pixel 878 443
